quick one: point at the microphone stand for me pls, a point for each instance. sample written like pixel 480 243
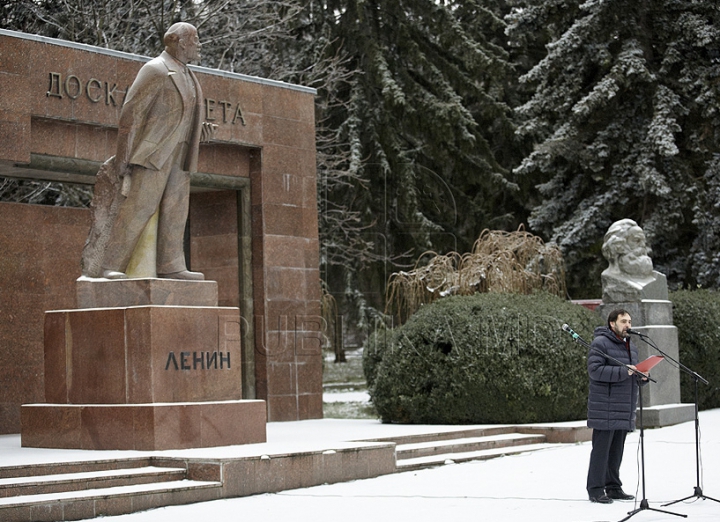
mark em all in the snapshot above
pixel 697 491
pixel 644 505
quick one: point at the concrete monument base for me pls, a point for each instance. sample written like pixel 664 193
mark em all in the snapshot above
pixel 106 293
pixel 143 427
pixel 666 415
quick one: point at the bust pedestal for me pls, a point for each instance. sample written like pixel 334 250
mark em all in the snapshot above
pixel 160 374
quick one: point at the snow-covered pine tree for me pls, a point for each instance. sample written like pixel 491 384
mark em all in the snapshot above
pixel 625 119
pixel 427 120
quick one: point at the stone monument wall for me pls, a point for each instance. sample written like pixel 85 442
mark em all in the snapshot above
pixel 253 215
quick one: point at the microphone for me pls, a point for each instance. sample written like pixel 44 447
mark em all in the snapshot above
pixel 634 332
pixel 569 330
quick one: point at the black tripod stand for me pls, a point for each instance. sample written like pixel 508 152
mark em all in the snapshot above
pixel 644 503
pixel 697 491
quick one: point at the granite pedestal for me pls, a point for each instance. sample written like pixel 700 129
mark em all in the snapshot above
pixel 151 377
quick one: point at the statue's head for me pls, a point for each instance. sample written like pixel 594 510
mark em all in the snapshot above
pixel 625 249
pixel 182 42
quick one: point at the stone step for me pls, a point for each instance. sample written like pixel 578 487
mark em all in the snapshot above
pixel 107 501
pixel 56 468
pixel 76 481
pixel 465 445
pixel 447 435
pixel 411 464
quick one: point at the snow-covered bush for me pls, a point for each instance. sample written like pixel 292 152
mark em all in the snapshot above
pixel 486 358
pixel 697 316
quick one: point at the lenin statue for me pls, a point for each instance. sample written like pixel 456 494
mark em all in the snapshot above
pixel 159 133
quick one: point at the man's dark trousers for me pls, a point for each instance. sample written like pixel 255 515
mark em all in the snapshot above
pixel 605 459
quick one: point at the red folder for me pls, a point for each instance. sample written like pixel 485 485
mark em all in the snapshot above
pixel 649 363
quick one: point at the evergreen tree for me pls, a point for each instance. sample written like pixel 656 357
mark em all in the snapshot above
pixel 427 121
pixel 625 118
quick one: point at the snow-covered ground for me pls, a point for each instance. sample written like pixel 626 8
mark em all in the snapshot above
pixel 346 396
pixel 544 486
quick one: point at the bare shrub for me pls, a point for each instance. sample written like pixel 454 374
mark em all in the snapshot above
pixel 503 262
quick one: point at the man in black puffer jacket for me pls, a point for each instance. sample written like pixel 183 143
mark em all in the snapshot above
pixel 611 405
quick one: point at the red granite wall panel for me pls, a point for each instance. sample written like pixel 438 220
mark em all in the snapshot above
pixel 214 248
pixel 79 85
pixel 14 101
pixel 289 104
pixel 225 160
pixel 40 247
pixel 291 252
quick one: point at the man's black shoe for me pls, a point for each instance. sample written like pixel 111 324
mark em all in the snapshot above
pixel 619 494
pixel 602 499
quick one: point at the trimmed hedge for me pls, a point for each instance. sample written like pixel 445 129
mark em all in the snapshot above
pixel 696 314
pixel 486 358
